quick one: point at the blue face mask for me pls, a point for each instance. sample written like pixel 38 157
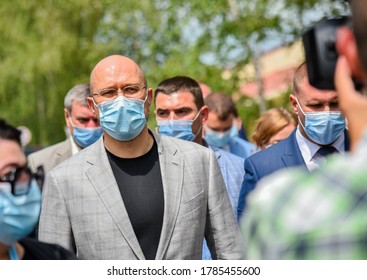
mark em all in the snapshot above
pixel 85 136
pixel 323 128
pixel 18 214
pixel 220 139
pixel 122 118
pixel 181 129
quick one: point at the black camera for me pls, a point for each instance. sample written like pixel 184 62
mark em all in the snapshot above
pixel 319 42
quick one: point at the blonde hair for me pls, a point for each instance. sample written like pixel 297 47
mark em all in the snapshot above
pixel 270 123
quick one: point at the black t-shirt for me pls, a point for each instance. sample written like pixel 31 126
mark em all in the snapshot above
pixel 36 250
pixel 140 183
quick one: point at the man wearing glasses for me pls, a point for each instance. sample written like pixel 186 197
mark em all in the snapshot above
pixel 20 203
pixel 135 194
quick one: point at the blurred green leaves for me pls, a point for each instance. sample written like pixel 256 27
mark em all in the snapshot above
pixel 48 46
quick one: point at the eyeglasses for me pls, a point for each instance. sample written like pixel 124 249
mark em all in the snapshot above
pixel 20 179
pixel 131 91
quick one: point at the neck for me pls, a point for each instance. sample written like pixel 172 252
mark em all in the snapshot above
pixel 199 140
pixel 4 251
pixel 130 149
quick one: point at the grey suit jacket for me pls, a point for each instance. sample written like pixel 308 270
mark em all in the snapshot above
pixel 83 211
pixel 51 156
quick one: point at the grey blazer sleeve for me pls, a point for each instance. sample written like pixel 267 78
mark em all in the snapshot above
pixel 221 232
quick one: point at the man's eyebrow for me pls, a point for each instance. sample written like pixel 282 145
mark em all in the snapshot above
pixel 183 108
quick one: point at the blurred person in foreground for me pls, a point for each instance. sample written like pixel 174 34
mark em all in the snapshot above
pixel 135 194
pixel 181 113
pixel 274 125
pixel 321 215
pixel 20 204
pixel 221 127
pixel 321 131
pixel 83 129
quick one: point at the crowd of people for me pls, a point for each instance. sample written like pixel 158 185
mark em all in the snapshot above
pixel 195 187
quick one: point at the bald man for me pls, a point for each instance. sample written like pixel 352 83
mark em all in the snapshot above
pixel 135 194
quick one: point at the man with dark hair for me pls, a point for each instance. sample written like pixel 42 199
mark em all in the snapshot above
pixel 181 113
pixel 321 130
pixel 320 215
pixel 20 204
pixel 221 128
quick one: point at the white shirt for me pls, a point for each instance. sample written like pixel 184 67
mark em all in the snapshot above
pixel 74 147
pixel 309 149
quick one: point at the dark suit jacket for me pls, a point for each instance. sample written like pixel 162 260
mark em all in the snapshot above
pixel 284 154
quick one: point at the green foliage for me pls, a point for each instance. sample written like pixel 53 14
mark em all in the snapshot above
pixel 49 46
pixel 44 52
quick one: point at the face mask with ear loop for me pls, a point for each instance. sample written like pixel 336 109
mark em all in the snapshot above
pixel 323 128
pixel 122 118
pixel 181 129
pixel 18 214
pixel 85 136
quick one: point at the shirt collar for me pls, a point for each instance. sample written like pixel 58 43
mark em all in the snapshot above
pixel 309 149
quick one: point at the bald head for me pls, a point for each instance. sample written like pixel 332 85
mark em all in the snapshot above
pixel 299 76
pixel 115 69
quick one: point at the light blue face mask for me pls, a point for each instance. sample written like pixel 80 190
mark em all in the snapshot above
pixel 85 136
pixel 323 128
pixel 181 129
pixel 122 118
pixel 220 139
pixel 18 214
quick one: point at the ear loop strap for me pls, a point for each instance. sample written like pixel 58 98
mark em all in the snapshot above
pixel 13 254
pixel 201 126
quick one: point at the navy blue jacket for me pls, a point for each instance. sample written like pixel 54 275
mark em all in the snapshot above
pixel 284 154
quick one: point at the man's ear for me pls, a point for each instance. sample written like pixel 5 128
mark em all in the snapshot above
pixel 204 113
pixel 91 104
pixel 292 99
pixel 347 46
pixel 67 115
pixel 150 96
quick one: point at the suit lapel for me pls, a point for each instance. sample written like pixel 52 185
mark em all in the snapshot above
pixel 101 177
pixel 292 155
pixel 172 168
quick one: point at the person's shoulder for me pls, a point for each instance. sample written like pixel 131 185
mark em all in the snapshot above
pixel 262 155
pixel 181 145
pixel 50 150
pixel 272 151
pixel 243 142
pixel 80 157
pixel 38 250
pixel 227 156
